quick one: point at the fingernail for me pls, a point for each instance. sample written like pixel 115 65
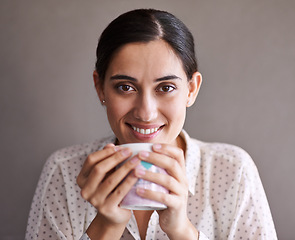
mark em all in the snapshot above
pixel 140 172
pixel 157 146
pixel 144 154
pixel 117 148
pixel 134 160
pixel 140 191
pixel 125 152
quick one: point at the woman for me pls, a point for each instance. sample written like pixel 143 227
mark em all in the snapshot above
pixel 146 76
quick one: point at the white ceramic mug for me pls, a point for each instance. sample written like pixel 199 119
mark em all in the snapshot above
pixel 132 200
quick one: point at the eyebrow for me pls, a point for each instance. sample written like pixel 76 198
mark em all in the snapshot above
pixel 169 77
pixel 122 77
pixel 125 77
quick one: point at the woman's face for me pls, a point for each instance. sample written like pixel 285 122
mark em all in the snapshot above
pixel 146 93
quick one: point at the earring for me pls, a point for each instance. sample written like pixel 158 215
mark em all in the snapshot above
pixel 103 101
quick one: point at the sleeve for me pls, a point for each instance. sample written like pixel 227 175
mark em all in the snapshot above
pixel 252 219
pixel 49 216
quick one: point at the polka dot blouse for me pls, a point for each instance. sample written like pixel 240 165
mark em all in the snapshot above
pixel 226 197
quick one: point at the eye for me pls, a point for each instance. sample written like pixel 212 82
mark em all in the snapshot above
pixel 167 88
pixel 125 88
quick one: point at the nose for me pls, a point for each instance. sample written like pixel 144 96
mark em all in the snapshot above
pixel 145 109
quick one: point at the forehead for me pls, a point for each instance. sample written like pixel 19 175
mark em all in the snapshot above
pixel 152 58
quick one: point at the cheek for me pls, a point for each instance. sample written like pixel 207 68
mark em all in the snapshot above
pixel 175 110
pixel 116 110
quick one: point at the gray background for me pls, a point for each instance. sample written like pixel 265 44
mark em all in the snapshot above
pixel 246 54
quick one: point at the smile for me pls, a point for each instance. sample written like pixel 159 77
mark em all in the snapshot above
pixel 145 131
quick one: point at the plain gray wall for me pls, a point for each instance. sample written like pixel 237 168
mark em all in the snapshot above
pixel 246 52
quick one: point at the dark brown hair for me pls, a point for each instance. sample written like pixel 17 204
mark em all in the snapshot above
pixel 145 25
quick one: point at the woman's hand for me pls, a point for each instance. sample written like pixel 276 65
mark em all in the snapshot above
pixel 173 220
pixel 101 185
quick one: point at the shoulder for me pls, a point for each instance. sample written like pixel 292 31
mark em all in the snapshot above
pixel 79 150
pixel 216 154
pixel 64 165
pixel 225 151
pixel 73 156
pixel 226 155
pixel 227 163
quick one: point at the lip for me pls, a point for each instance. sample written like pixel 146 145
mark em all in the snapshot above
pixel 145 132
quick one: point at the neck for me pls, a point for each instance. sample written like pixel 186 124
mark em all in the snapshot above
pixel 181 143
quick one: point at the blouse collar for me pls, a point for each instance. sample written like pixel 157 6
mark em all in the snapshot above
pixel 192 160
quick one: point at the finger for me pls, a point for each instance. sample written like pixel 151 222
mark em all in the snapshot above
pixel 109 145
pixel 168 182
pixel 171 165
pixel 109 184
pixel 111 204
pixel 171 201
pixel 106 188
pixel 121 191
pixel 99 171
pixel 172 151
pixel 90 161
pixel 94 158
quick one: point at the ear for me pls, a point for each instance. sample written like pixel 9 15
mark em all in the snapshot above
pixel 194 86
pixel 98 86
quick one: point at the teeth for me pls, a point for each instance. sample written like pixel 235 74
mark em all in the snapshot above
pixel 145 131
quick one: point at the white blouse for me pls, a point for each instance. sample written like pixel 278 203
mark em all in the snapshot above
pixel 226 196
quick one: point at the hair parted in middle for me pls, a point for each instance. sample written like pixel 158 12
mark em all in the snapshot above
pixel 145 25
